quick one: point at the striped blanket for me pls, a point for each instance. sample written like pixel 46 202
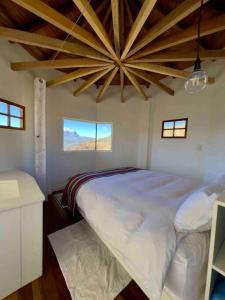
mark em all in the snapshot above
pixel 75 183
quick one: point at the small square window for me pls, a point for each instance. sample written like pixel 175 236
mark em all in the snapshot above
pixel 175 128
pixel 12 115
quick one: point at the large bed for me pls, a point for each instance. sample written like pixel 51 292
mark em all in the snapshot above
pixel 133 213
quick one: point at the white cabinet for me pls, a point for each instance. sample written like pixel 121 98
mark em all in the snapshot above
pixel 216 265
pixel 21 231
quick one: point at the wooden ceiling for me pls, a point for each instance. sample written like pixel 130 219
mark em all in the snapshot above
pixel 114 41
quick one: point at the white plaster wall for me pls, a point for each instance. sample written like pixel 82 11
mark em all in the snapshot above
pixel 130 125
pixel 16 147
pixel 202 154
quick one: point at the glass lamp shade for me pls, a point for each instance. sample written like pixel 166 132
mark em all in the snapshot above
pixel 196 81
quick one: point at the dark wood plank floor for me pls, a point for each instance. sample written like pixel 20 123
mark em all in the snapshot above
pixel 52 286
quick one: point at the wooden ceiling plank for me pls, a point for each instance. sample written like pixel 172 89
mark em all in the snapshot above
pixel 91 17
pixel 138 24
pixel 116 24
pixel 57 64
pixel 173 56
pixel 106 84
pixel 121 22
pixel 129 14
pixel 122 85
pixel 135 83
pixel 107 15
pixel 207 27
pixel 175 16
pixel 159 69
pixel 92 80
pixel 39 40
pixel 57 19
pixel 74 75
pixel 98 10
pixel 151 79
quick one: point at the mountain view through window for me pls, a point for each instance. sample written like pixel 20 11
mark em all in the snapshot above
pixel 87 135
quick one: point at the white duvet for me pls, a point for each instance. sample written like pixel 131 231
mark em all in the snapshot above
pixel 134 214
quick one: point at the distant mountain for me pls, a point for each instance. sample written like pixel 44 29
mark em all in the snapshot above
pixel 72 139
pixel 104 144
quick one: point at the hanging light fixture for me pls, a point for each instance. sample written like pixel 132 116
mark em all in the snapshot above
pixel 198 79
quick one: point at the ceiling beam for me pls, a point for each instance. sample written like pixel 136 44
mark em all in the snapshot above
pixel 73 75
pixel 57 19
pixel 57 64
pixel 135 83
pixel 171 19
pixel 207 27
pixel 39 40
pixel 159 69
pixel 92 80
pixel 173 56
pixel 106 84
pixel 138 24
pixel 116 24
pixel 151 79
pixel 92 18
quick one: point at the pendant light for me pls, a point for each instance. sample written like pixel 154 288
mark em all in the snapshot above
pixel 198 79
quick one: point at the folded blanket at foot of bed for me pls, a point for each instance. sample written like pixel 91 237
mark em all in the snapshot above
pixel 75 183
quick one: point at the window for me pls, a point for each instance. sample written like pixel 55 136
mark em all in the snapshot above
pixel 86 135
pixel 175 128
pixel 12 115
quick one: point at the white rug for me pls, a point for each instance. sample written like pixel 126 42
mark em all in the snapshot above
pixel 89 269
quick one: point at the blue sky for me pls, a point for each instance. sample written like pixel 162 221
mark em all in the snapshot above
pixel 88 129
pixel 15 111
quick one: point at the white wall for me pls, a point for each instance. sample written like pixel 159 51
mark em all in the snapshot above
pixel 130 125
pixel 16 147
pixel 202 154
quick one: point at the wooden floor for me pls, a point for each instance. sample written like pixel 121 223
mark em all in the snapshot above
pixel 52 286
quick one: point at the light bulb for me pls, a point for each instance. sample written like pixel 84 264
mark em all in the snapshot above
pixel 196 81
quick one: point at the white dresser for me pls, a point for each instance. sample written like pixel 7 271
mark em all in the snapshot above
pixel 21 231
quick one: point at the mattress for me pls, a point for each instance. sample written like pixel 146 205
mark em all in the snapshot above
pixel 134 216
pixel 186 277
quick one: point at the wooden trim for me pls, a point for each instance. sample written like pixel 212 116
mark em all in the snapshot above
pixel 116 24
pixel 57 19
pixel 106 84
pixel 74 75
pixel 39 40
pixel 180 12
pixel 138 24
pixel 173 56
pixel 91 17
pixel 92 80
pixel 135 83
pixel 151 79
pixel 23 118
pixel 57 64
pixel 174 137
pixel 207 27
pixel 159 69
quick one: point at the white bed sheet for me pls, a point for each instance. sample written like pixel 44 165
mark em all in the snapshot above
pixel 186 277
pixel 134 215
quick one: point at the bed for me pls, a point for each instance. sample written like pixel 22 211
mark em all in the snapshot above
pixel 133 213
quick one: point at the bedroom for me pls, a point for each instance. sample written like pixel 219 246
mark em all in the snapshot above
pixel 77 96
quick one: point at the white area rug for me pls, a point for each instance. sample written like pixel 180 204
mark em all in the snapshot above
pixel 89 269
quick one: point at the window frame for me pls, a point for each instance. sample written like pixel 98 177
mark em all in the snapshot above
pixel 8 115
pixel 173 129
pixel 88 121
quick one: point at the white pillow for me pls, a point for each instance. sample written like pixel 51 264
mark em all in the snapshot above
pixel 195 214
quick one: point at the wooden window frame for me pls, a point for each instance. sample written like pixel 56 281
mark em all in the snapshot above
pixel 8 115
pixel 173 129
